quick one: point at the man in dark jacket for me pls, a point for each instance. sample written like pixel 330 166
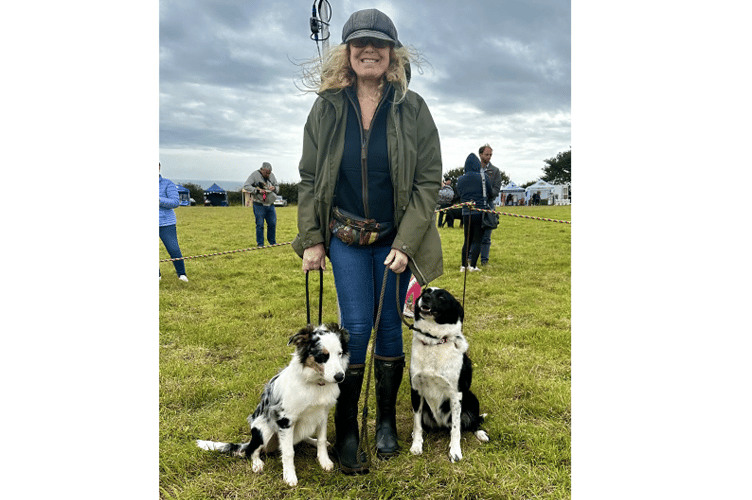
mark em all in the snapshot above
pixel 471 189
pixel 494 174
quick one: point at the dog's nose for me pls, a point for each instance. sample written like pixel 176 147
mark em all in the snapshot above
pixel 339 377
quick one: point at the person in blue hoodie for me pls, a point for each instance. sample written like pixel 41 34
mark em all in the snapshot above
pixel 470 188
pixel 169 200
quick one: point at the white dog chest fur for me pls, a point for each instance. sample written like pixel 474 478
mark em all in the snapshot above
pixel 434 371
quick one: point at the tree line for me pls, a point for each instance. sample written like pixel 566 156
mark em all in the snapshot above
pixel 558 170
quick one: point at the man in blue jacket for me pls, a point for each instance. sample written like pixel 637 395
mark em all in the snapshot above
pixel 470 187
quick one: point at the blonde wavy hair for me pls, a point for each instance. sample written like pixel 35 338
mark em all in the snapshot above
pixel 335 71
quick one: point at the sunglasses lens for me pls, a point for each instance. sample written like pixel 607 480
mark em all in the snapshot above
pixel 362 42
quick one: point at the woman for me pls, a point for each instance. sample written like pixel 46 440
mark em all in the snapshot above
pixel 168 200
pixel 470 188
pixel 370 153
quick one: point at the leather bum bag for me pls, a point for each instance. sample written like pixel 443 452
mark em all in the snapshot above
pixel 351 228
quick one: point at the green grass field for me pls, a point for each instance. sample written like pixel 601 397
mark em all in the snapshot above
pixel 223 335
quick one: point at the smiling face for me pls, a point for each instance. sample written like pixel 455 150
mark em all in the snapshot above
pixel 439 306
pixel 369 62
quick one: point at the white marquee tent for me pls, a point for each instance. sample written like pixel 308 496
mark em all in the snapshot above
pixel 516 191
pixel 545 189
pixel 562 194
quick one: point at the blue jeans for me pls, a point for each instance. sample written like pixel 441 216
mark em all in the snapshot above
pixel 269 215
pixel 358 274
pixel 169 236
pixel 485 246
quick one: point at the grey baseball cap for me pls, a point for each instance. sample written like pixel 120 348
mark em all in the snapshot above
pixel 266 164
pixel 370 23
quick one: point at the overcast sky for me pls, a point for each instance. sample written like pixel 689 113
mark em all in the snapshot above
pixel 229 82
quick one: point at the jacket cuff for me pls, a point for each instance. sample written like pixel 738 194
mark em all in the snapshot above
pixel 403 247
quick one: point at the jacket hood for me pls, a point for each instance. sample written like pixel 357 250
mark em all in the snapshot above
pixel 472 164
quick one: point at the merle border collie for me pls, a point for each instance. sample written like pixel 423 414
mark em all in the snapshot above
pixel 295 403
pixel 441 373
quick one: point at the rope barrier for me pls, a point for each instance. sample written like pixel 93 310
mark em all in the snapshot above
pixel 459 205
pixel 472 205
pixel 228 252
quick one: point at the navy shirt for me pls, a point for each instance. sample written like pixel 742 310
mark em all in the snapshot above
pixel 351 191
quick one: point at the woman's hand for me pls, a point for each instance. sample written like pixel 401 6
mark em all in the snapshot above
pixel 396 261
pixel 314 258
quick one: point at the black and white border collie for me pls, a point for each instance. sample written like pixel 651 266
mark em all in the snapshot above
pixel 295 403
pixel 441 373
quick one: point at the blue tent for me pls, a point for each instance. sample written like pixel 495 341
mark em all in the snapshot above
pixel 216 196
pixel 185 195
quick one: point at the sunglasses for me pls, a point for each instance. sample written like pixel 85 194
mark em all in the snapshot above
pixel 376 42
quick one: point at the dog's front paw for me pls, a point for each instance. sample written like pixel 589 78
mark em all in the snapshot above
pixel 290 478
pixel 482 436
pixel 416 448
pixel 326 463
pixel 258 465
pixel 455 454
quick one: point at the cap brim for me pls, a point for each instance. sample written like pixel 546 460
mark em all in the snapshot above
pixel 371 34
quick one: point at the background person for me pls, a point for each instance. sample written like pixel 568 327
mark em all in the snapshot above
pixel 494 174
pixel 446 195
pixel 454 213
pixel 470 188
pixel 363 94
pixel 169 199
pixel 263 187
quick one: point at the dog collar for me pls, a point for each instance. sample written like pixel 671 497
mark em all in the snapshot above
pixel 442 341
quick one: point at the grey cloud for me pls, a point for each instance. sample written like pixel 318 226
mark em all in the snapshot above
pixel 228 70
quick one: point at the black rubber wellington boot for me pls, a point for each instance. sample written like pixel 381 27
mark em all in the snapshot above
pixel 346 423
pixel 388 379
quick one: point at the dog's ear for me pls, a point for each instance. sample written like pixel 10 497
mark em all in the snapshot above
pixel 304 335
pixel 455 304
pixel 344 335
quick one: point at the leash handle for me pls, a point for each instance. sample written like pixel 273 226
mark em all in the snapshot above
pixel 321 296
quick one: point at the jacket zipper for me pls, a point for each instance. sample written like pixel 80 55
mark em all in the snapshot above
pixel 365 138
pixel 398 159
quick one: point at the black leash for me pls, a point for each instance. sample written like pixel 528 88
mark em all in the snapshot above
pixel 363 446
pixel 467 259
pixel 408 325
pixel 321 296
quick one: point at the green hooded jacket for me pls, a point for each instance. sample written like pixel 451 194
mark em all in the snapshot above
pixel 416 170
